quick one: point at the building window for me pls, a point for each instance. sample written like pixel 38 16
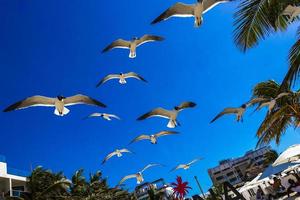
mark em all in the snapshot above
pixel 230 174
pixel 219 178
pixel 232 180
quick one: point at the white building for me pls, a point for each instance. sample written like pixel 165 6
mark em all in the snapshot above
pixel 12 181
pixel 239 170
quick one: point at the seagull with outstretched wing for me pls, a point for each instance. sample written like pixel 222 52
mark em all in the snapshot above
pixel 59 103
pixel 189 10
pixel 139 175
pixel 270 103
pixel 122 78
pixel 168 114
pixel 117 152
pixel 133 44
pixel 153 138
pixel 186 166
pixel 105 116
pixel 238 111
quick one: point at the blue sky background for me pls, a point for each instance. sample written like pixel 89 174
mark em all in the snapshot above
pixel 53 47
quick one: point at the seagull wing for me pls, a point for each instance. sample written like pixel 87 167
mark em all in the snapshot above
pixel 150 165
pixel 109 156
pixel 282 95
pixel 93 115
pixel 127 177
pixel 193 161
pixel 114 116
pixel 134 75
pixel 82 99
pixel 140 137
pixel 117 44
pixel 178 167
pixel 185 105
pixel 158 112
pixel 178 10
pixel 107 78
pixel 125 151
pixel 255 100
pixel 289 10
pixel 163 133
pixel 209 4
pixel 148 38
pixel 30 102
pixel 225 111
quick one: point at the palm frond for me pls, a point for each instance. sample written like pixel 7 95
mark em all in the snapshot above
pixel 256 19
pixel 294 65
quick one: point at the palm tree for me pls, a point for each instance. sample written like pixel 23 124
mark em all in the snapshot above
pixel 257 19
pixel 44 184
pixel 270 157
pixel 218 192
pixel 96 188
pixel 180 188
pixel 285 113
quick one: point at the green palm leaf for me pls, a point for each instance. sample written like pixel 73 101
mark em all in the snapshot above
pixel 256 19
pixel 294 64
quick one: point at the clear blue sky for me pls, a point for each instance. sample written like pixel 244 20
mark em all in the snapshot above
pixel 53 47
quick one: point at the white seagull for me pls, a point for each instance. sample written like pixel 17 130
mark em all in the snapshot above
pixel 153 138
pixel 59 103
pixel 105 116
pixel 117 152
pixel 122 78
pixel 271 102
pixel 186 166
pixel 133 44
pixel 139 175
pixel 189 10
pixel 238 111
pixel 169 114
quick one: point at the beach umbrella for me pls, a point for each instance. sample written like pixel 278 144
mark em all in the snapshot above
pixel 291 154
pixel 284 167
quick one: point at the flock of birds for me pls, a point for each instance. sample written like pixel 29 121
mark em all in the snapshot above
pixel 60 103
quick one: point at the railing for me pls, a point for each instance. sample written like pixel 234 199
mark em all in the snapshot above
pixel 17 172
pixel 2 158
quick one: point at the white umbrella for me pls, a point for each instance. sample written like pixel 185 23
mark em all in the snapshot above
pixel 285 167
pixel 291 154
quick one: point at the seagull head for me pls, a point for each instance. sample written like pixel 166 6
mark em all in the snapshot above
pixel 135 38
pixel 200 1
pixel 60 97
pixel 244 106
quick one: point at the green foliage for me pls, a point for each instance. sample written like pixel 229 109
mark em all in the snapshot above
pixel 285 113
pixel 270 157
pixel 46 185
pixel 257 19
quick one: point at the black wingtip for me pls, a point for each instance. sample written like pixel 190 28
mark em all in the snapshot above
pixel 12 107
pixel 192 104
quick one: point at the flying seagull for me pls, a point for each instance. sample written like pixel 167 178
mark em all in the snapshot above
pixel 139 175
pixel 169 114
pixel 292 12
pixel 153 138
pixel 105 116
pixel 59 103
pixel 238 111
pixel 117 152
pixel 122 78
pixel 189 10
pixel 186 166
pixel 133 44
pixel 271 102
